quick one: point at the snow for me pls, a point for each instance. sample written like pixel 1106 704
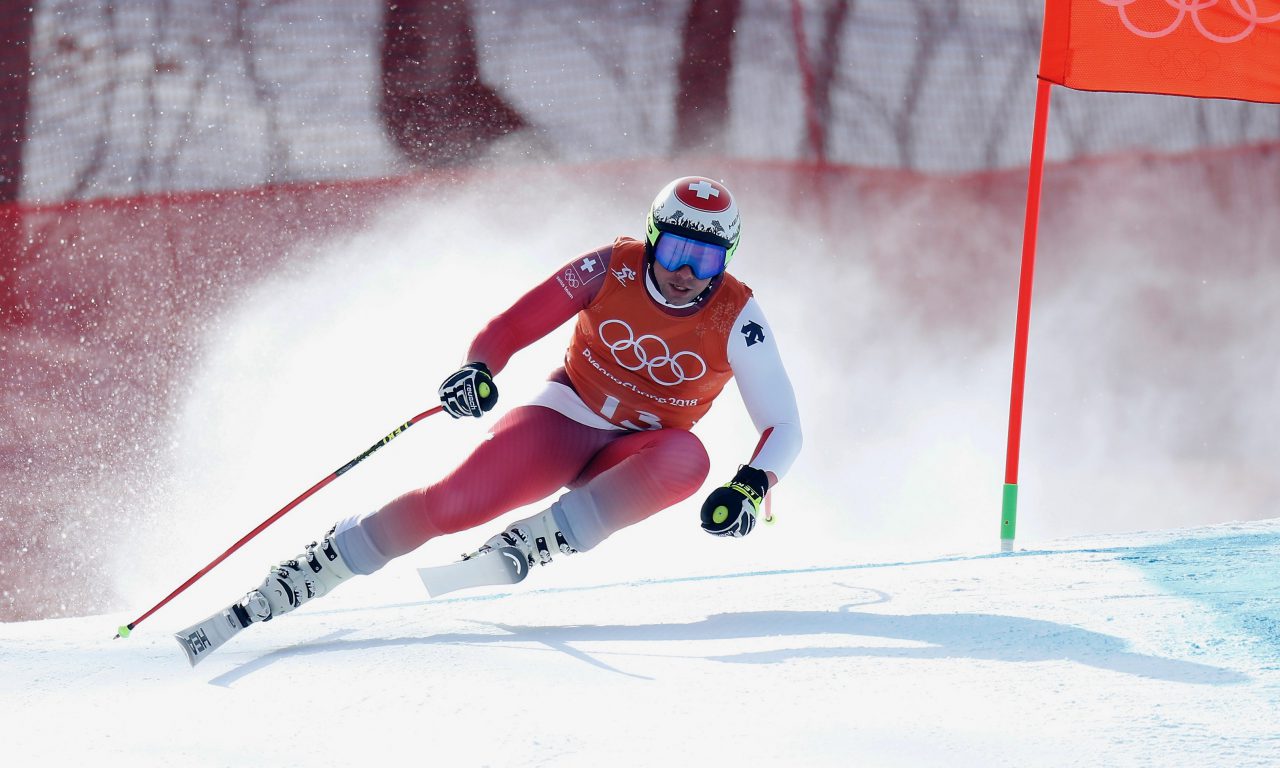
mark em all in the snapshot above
pixel 1127 649
pixel 874 624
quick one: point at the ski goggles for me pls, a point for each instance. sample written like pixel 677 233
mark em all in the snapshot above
pixel 705 259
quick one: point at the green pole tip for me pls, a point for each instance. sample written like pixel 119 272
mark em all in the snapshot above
pixel 123 631
pixel 1009 511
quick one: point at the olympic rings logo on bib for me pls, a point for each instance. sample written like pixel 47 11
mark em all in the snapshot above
pixel 652 354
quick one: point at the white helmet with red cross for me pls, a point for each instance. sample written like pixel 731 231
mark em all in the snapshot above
pixel 699 221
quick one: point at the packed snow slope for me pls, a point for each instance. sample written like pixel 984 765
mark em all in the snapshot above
pixel 1124 650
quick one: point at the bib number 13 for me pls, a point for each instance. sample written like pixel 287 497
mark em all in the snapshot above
pixel 610 412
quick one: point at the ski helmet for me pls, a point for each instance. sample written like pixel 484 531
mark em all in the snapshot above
pixel 698 209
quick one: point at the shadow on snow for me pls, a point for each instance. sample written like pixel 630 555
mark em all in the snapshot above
pixel 978 636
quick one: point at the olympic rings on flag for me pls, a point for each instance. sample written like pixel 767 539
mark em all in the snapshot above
pixel 1247 10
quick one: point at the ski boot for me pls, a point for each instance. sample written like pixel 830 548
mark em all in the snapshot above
pixel 504 559
pixel 315 572
pixel 532 537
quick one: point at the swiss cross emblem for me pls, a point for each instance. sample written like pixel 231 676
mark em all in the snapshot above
pixel 588 265
pixel 703 189
pixel 703 194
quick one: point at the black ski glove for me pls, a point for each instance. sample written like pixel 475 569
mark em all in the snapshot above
pixel 469 392
pixel 731 509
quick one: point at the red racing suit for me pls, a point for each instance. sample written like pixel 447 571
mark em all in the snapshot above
pixel 613 424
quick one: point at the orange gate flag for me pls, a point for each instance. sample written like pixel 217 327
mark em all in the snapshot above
pixel 1226 49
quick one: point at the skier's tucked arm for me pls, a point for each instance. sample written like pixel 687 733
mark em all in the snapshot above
pixel 471 391
pixel 771 402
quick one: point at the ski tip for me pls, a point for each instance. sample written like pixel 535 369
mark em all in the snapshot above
pixel 428 581
pixel 192 658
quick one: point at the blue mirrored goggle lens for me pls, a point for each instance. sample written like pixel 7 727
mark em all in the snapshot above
pixel 674 252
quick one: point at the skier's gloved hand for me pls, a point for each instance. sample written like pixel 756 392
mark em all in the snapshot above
pixel 731 509
pixel 469 392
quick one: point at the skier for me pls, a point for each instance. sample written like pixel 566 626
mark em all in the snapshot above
pixel 661 328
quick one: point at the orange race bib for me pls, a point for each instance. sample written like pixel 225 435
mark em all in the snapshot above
pixel 642 368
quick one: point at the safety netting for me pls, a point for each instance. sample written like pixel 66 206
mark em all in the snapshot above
pixel 146 96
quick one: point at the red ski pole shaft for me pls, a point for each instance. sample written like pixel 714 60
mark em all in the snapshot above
pixel 126 629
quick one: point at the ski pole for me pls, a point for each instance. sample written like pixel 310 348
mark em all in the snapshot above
pixel 124 630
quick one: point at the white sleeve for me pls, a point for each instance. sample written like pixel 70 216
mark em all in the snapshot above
pixel 766 390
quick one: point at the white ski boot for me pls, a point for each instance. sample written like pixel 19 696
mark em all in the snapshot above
pixel 533 537
pixel 503 559
pixel 315 572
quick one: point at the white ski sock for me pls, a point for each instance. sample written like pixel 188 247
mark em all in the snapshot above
pixel 357 547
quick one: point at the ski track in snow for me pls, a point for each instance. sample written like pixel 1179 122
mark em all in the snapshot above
pixel 1159 648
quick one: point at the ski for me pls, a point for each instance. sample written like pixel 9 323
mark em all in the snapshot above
pixel 504 565
pixel 204 637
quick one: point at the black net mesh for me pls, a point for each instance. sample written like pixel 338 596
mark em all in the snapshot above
pixel 158 95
